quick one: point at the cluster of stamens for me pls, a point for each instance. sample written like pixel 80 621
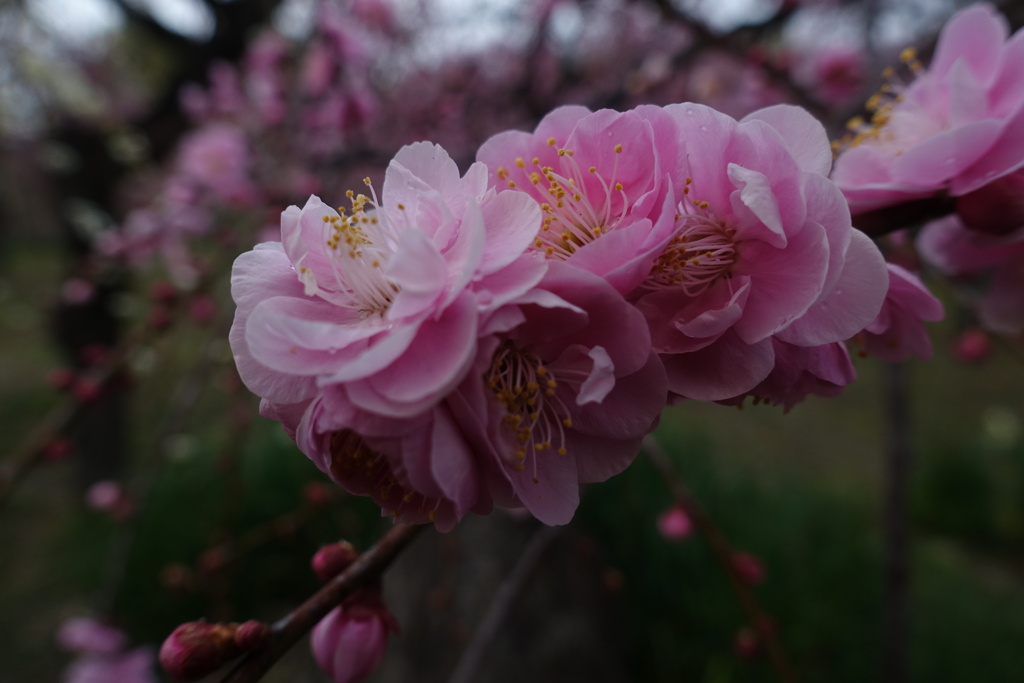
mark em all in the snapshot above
pixel 880 105
pixel 359 466
pixel 535 415
pixel 362 239
pixel 701 252
pixel 572 218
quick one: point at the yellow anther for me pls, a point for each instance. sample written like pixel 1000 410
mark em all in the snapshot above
pixel 520 163
pixel 618 149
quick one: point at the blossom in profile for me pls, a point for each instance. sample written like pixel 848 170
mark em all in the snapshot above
pixel 763 253
pixel 989 266
pixel 386 296
pixel 955 127
pixel 898 332
pixel 801 371
pixel 350 641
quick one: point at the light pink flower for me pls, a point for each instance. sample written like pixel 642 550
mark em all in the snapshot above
pixel 995 262
pixel 956 127
pixel 599 177
pixel 350 641
pixel 87 635
pixel 216 157
pixel 135 666
pixel 763 250
pixel 898 332
pixel 387 298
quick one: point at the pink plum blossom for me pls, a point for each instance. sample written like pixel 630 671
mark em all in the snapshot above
pixel 956 127
pixel 217 159
pixel 563 388
pixel 763 255
pixel 800 371
pixel 836 73
pixel 563 393
pixel 994 261
pixel 898 333
pixel 351 640
pixel 600 180
pixel 386 297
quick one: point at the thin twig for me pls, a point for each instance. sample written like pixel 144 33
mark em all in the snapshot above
pixel 288 630
pixel 469 662
pixel 723 551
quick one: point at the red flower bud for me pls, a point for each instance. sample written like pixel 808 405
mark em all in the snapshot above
pixel 197 648
pixel 252 635
pixel 333 559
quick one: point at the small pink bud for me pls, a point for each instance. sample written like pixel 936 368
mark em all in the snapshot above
pixel 202 309
pixel 160 317
pixel 972 346
pixel 77 290
pixel 252 635
pixel 350 641
pixel 197 648
pixel 93 354
pixel 333 559
pixel 56 449
pixel 61 378
pixel 674 524
pixel 746 645
pixel 163 292
pixel 748 567
pixel 317 494
pixel 86 390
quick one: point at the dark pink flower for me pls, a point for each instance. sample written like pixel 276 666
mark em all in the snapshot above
pixel 994 262
pixel 350 641
pixel 898 332
pixel 562 392
pixel 958 126
pixel 763 252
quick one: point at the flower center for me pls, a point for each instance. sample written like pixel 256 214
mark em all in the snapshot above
pixel 535 416
pixel 880 106
pixel 577 210
pixel 701 252
pixel 365 471
pixel 361 241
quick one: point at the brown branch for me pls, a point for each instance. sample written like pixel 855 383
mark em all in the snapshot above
pixel 724 552
pixel 908 214
pixel 469 662
pixel 289 629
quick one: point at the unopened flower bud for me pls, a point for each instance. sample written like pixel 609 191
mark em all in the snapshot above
pixel 748 567
pixel 333 559
pixel 674 524
pixel 350 641
pixel 197 648
pixel 972 346
pixel 252 635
